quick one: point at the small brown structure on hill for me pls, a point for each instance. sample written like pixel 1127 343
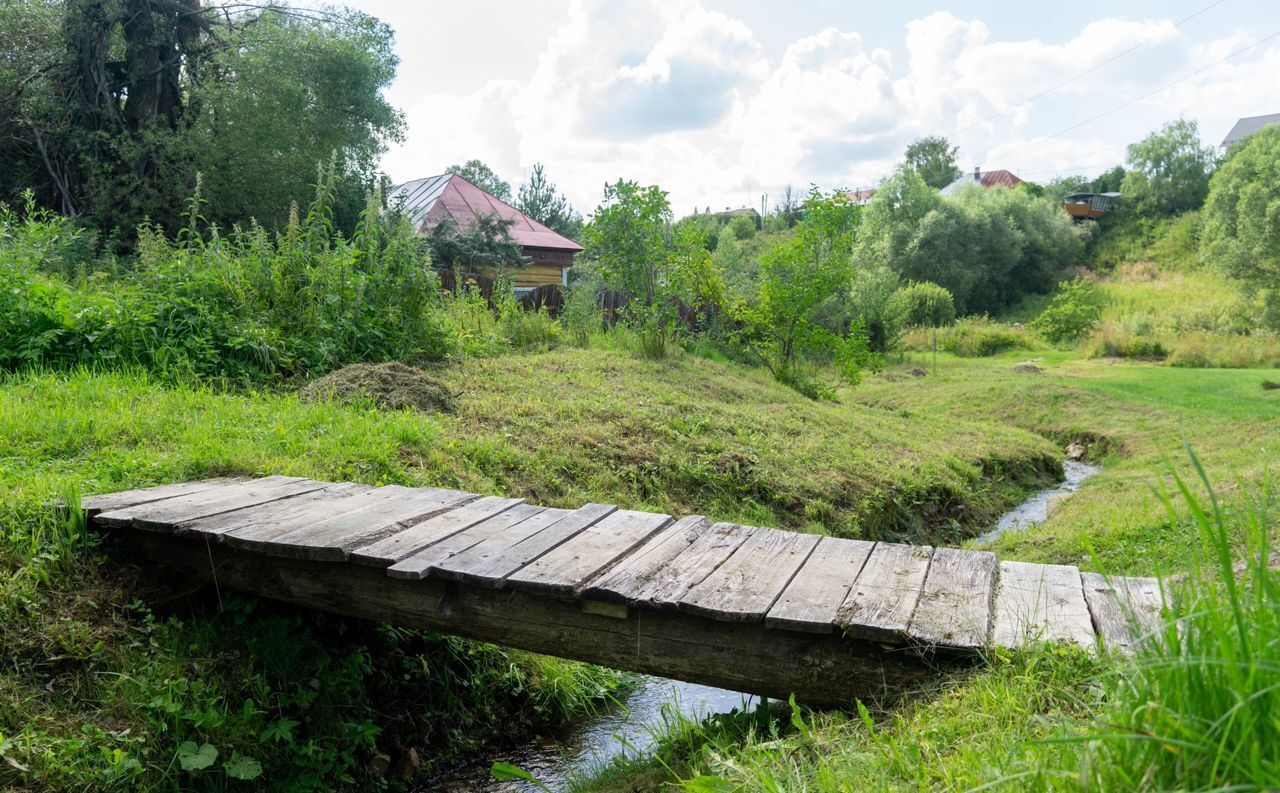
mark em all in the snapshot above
pixel 449 196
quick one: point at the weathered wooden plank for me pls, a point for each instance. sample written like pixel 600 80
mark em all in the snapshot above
pixel 667 585
pixel 1040 602
pixel 371 517
pixel 107 502
pixel 594 549
pixel 1123 609
pixel 409 540
pixel 627 580
pixel 745 587
pixel 163 515
pixel 954 610
pixel 276 516
pixel 812 601
pixel 884 596
pixel 819 669
pixel 419 565
pixel 489 562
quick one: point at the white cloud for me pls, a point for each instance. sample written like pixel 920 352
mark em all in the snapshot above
pixel 674 94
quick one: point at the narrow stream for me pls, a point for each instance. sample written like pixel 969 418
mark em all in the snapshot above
pixel 1036 508
pixel 629 728
pixel 625 730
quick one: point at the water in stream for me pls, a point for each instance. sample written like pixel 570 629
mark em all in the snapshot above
pixel 1036 508
pixel 624 730
pixel 628 729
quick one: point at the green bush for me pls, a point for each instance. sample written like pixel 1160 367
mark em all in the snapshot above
pixel 925 305
pixel 246 307
pixel 1071 314
pixel 974 337
pixel 1126 339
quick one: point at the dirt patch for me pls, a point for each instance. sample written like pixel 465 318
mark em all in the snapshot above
pixel 389 385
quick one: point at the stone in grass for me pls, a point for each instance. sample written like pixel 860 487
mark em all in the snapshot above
pixel 1027 368
pixel 389 385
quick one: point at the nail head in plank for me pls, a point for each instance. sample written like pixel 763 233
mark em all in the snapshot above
pixel 394 547
pixel 594 549
pixel 1123 609
pixel 488 563
pixel 954 610
pixel 163 515
pixel 376 515
pixel 884 595
pixel 745 587
pixel 667 585
pixel 811 602
pixel 1040 602
pixel 106 502
pixel 625 581
pixel 419 565
pixel 276 517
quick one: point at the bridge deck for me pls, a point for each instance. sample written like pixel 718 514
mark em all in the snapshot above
pixel 751 608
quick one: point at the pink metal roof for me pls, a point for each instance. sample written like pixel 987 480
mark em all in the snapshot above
pixel 428 201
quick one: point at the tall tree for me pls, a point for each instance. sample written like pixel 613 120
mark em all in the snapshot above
pixel 539 200
pixel 314 81
pixel 111 107
pixel 1169 169
pixel 628 236
pixel 1242 216
pixel 934 158
pixel 483 177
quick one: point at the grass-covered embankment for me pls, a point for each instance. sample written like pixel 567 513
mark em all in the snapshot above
pixel 1051 718
pixel 114 669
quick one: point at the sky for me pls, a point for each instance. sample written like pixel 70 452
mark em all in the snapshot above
pixel 722 103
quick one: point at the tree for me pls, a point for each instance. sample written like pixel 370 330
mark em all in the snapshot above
pixel 798 278
pixel 934 158
pixel 314 82
pixel 111 107
pixel 1242 214
pixel 627 237
pixel 539 200
pixel 483 177
pixel 1169 169
pixel 484 242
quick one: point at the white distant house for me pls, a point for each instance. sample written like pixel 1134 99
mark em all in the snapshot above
pixel 1247 126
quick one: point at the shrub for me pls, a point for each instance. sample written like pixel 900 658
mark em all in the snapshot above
pixel 1126 339
pixel 925 305
pixel 245 307
pixel 872 305
pixel 1211 350
pixel 972 337
pixel 1071 314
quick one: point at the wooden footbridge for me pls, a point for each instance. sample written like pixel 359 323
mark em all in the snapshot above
pixel 746 608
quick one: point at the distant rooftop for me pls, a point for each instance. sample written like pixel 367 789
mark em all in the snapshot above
pixel 984 178
pixel 1247 126
pixel 429 201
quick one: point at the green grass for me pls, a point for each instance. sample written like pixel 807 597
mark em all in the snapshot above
pixel 112 669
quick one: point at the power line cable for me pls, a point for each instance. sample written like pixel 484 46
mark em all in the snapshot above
pixel 1090 70
pixel 1166 86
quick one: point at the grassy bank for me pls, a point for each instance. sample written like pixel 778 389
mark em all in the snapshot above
pixel 118 677
pixel 1004 727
